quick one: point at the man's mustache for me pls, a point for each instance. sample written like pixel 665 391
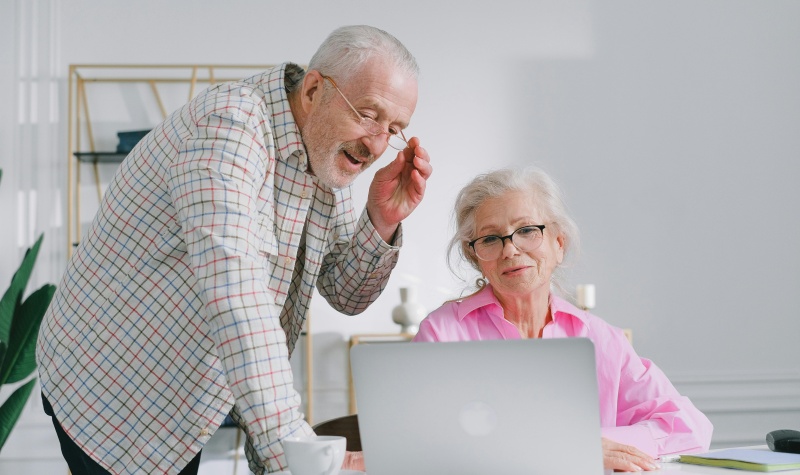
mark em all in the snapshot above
pixel 358 149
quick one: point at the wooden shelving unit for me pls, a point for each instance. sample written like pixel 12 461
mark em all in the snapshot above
pixel 159 81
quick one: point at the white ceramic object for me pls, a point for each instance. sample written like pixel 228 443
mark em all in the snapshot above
pixel 410 313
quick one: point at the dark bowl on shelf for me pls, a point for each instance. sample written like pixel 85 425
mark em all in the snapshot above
pixel 129 139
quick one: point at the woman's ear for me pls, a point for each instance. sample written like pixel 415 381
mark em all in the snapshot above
pixel 561 242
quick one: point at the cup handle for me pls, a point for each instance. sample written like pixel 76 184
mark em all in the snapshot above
pixel 333 452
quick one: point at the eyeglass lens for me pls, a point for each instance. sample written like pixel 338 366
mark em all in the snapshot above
pixel 526 238
pixel 396 140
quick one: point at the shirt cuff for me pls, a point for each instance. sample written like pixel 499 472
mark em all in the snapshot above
pixel 370 240
pixel 638 436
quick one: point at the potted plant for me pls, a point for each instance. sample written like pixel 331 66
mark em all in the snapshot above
pixel 19 329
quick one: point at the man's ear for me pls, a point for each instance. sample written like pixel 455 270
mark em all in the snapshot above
pixel 311 90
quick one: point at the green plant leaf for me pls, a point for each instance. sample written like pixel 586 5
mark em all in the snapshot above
pixel 8 305
pixel 11 299
pixel 3 348
pixel 20 359
pixel 12 408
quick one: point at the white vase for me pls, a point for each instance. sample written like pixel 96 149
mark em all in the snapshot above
pixel 410 313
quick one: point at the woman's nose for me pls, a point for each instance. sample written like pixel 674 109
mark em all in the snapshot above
pixel 509 249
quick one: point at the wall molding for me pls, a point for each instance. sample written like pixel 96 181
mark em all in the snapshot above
pixel 741 391
pixel 743 405
pixel 717 377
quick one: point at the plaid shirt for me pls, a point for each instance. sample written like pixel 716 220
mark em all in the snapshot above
pixel 190 289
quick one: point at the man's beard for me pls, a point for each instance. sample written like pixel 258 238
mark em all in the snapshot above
pixel 323 151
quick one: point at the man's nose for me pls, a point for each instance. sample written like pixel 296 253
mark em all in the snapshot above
pixel 377 144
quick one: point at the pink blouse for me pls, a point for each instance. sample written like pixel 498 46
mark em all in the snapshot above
pixel 638 404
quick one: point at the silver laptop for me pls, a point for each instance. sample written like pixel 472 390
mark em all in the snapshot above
pixel 480 407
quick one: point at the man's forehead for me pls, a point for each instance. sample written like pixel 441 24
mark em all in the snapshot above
pixel 393 96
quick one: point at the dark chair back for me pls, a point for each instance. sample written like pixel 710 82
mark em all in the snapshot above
pixel 346 426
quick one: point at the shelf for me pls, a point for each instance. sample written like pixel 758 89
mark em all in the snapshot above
pixel 132 99
pixel 100 157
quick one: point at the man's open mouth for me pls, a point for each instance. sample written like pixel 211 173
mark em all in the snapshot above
pixel 352 159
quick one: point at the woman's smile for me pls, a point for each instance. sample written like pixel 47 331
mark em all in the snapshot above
pixel 515 270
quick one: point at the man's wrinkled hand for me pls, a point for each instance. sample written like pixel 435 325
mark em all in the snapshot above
pixel 353 461
pixel 398 188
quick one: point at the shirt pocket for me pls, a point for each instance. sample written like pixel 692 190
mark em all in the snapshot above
pixel 161 261
pixel 166 248
pixel 267 241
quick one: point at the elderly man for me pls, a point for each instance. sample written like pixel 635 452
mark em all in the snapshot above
pixel 186 297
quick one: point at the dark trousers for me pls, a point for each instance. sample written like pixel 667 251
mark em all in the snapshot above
pixel 81 464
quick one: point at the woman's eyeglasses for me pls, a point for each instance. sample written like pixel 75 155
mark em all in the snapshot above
pixel 526 238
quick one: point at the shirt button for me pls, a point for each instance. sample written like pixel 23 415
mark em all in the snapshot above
pixel 287 261
pixel 304 194
pixel 203 432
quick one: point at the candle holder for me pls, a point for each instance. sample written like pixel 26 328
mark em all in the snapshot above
pixel 585 296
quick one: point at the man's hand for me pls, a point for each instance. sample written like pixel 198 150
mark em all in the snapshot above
pixel 626 458
pixel 398 188
pixel 353 461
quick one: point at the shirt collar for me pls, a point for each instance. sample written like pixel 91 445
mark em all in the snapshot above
pixel 482 298
pixel 284 128
pixel 559 308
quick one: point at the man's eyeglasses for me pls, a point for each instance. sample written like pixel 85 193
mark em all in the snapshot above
pixel 526 238
pixel 395 137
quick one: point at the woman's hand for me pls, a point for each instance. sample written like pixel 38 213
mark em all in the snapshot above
pixel 626 458
pixel 353 461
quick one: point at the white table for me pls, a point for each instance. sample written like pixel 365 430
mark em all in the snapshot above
pixel 676 468
pixel 215 467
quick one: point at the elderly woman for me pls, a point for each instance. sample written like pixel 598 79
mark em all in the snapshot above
pixel 513 228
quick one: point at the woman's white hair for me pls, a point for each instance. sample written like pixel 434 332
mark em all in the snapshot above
pixel 346 49
pixel 547 196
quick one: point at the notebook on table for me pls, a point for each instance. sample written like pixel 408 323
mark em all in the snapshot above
pixel 479 407
pixel 751 459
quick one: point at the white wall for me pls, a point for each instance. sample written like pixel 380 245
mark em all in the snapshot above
pixel 7 124
pixel 671 125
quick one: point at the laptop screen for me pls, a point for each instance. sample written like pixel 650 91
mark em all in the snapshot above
pixel 493 407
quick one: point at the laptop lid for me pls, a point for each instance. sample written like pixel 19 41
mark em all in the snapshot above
pixel 478 407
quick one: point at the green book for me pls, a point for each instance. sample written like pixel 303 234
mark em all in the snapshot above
pixel 755 460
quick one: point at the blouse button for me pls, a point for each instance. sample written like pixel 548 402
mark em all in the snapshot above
pixel 203 432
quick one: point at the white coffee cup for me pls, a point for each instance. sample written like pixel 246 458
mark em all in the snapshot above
pixel 315 455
